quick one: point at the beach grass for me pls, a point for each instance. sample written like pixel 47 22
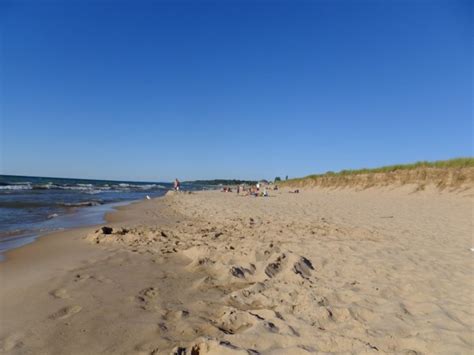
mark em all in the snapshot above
pixel 456 163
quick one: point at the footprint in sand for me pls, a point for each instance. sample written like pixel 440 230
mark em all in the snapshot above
pixel 149 292
pixel 60 293
pixel 176 314
pixel 65 312
pixel 303 267
pixel 146 296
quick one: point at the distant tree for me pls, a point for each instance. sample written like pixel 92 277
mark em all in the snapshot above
pixel 277 179
pixel 286 177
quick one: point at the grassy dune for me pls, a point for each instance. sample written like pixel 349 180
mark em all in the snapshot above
pixel 442 173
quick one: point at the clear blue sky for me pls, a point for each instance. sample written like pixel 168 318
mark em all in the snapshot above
pixel 152 90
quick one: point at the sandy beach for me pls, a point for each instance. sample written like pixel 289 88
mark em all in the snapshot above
pixel 382 270
pixel 236 177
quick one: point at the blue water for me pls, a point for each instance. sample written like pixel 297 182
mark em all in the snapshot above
pixel 82 217
pixel 31 206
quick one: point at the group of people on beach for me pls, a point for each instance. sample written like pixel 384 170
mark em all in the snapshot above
pixel 256 190
pixel 242 190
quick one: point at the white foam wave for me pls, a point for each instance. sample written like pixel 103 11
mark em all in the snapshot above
pixel 87 188
pixel 93 192
pixel 79 188
pixel 16 187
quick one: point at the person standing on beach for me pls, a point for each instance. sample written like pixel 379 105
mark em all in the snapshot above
pixel 176 184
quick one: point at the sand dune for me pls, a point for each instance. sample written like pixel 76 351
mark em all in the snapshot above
pixel 453 179
pixel 323 271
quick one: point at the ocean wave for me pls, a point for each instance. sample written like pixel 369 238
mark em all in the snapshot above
pixel 89 188
pixel 146 187
pixel 93 192
pixel 82 203
pixel 47 186
pixel 74 187
pixel 43 204
pixel 15 183
pixel 16 187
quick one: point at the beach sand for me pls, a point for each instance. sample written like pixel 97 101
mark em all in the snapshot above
pixel 383 270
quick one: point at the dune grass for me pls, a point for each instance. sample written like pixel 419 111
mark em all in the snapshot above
pixel 456 163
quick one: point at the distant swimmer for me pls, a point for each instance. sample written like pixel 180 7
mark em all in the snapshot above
pixel 177 184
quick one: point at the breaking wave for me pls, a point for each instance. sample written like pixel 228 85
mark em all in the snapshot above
pixel 88 188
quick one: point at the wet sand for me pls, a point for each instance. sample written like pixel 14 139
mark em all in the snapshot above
pixel 383 270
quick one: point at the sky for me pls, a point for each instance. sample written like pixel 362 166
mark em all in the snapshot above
pixel 153 90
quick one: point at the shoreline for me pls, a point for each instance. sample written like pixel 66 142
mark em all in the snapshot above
pixel 66 243
pixel 91 216
pixel 318 271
